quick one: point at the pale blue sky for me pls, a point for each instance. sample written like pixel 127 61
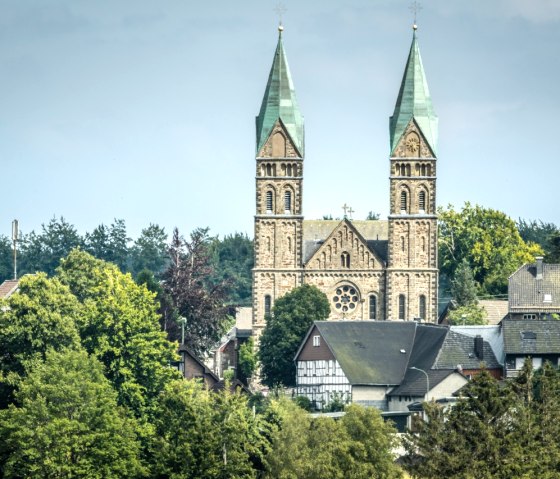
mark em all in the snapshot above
pixel 145 110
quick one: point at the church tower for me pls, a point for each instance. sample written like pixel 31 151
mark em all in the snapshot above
pixel 412 273
pixel 279 182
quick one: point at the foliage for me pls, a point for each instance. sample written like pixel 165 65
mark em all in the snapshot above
pixel 109 243
pixel 357 446
pixel 488 240
pixel 292 316
pixel 493 432
pixel 304 403
pixel 463 285
pixel 537 231
pixel 203 434
pixel 371 216
pixel 43 251
pixel 6 258
pixel 469 315
pixel 186 283
pixel 247 359
pixel 120 327
pixel 168 315
pixel 336 403
pixel 553 253
pixel 67 423
pixel 232 265
pixel 149 251
pixel 41 317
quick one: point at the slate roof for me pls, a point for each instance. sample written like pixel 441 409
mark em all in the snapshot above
pixel 531 336
pixel 458 349
pixel 315 232
pixel 8 287
pixel 280 103
pixel 527 293
pixel 490 333
pixel 496 309
pixel 414 102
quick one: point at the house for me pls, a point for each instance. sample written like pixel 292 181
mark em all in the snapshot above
pixel 535 338
pixel 496 310
pixel 384 364
pixel 8 287
pixel 191 367
pixel 534 291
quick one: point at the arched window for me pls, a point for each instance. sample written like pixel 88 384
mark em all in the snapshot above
pixel 268 169
pixel 289 170
pixel 278 145
pixel 267 304
pixel 422 201
pixel 269 202
pixel 288 202
pixel 422 307
pixel 404 202
pixel 402 306
pixel 373 307
pixel 408 170
pixel 345 260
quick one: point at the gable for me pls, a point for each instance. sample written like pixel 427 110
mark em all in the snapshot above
pixel 412 143
pixel 279 144
pixel 315 348
pixel 345 248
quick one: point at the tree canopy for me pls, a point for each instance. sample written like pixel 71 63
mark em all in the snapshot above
pixel 488 240
pixel 292 316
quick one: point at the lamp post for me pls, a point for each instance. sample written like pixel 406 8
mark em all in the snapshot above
pixel 427 380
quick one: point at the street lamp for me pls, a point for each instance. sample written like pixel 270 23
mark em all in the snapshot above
pixel 427 379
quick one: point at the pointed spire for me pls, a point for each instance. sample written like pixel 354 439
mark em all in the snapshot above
pixel 279 102
pixel 414 101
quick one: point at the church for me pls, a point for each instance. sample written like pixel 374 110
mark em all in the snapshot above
pixel 369 270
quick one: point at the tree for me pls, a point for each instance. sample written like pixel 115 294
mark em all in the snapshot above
pixel 371 216
pixel 43 252
pixel 6 259
pixel 292 316
pixel 67 424
pixel 463 285
pixel 488 240
pixel 553 254
pixel 168 315
pixel 120 327
pixel 42 316
pixel 247 359
pixel 468 315
pixel 232 265
pixel 149 251
pixel 186 282
pixel 204 434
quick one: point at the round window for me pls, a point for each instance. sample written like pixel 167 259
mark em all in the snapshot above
pixel 345 298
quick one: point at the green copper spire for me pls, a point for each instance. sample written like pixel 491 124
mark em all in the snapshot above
pixel 279 102
pixel 414 101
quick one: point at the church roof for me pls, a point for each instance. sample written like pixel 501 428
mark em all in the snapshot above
pixel 414 102
pixel 315 232
pixel 279 103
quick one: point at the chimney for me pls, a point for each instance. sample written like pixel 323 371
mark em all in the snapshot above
pixel 539 260
pixel 479 347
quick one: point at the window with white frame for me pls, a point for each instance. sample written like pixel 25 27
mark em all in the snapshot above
pixel 316 340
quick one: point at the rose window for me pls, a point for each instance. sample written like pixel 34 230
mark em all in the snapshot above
pixel 345 298
pixel 412 144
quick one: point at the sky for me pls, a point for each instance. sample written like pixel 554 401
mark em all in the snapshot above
pixel 145 110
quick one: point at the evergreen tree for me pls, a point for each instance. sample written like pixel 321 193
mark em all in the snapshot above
pixel 149 251
pixel 6 259
pixel 463 285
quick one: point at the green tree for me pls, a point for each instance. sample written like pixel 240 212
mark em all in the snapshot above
pixel 186 281
pixel 553 253
pixel 292 316
pixel 169 317
pixel 6 259
pixel 371 216
pixel 204 434
pixel 40 317
pixel 109 243
pixel 488 240
pixel 247 359
pixel 67 423
pixel 233 261
pixel 120 326
pixel 43 251
pixel 150 251
pixel 463 285
pixel 469 315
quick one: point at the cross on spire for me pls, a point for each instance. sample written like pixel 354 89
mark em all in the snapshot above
pixel 350 211
pixel 347 209
pixel 415 7
pixel 280 9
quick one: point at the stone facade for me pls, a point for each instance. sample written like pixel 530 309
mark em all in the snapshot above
pixel 382 270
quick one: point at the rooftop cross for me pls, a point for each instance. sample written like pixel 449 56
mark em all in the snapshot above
pixel 415 7
pixel 280 9
pixel 345 208
pixel 350 211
